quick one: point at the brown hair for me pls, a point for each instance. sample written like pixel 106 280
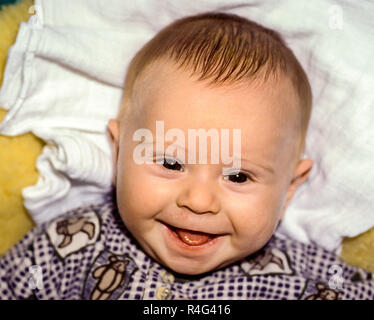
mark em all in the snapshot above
pixel 225 48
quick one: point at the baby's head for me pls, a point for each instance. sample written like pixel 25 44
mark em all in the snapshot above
pixel 210 71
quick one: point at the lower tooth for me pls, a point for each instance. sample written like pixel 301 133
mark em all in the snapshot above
pixel 193 239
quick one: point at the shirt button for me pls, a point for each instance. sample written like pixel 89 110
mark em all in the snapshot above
pixel 163 293
pixel 167 277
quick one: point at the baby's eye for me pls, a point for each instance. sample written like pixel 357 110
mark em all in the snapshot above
pixel 238 177
pixel 172 164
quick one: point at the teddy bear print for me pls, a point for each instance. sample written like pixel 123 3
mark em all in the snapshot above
pixel 69 227
pixel 324 293
pixel 110 277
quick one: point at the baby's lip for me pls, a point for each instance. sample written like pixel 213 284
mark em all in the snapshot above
pixel 191 229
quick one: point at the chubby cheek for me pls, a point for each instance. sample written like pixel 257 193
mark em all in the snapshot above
pixel 254 218
pixel 139 195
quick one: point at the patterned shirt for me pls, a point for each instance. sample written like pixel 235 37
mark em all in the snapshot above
pixel 89 254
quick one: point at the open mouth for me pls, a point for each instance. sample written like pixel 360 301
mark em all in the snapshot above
pixel 190 237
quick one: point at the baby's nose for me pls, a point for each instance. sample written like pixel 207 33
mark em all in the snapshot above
pixel 199 197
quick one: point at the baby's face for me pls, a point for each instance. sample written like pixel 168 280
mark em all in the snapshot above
pixel 242 211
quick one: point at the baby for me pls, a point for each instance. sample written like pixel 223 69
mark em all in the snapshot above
pixel 180 228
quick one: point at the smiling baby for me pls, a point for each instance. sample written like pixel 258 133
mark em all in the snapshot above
pixel 208 149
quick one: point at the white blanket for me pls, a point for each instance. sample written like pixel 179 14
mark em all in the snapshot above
pixel 64 79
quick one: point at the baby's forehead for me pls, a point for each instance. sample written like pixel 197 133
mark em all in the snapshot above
pixel 165 88
pixel 166 76
pixel 260 109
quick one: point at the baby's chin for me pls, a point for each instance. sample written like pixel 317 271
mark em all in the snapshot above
pixel 180 265
pixel 190 270
pixel 193 267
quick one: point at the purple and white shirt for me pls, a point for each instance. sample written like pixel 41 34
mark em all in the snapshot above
pixel 89 254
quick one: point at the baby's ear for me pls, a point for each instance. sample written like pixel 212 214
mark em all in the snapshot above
pixel 301 173
pixel 113 130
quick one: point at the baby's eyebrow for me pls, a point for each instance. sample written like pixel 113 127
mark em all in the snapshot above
pixel 266 168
